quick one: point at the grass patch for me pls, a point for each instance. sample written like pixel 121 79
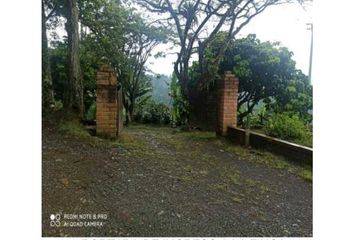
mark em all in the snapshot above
pixel 219 186
pixel 73 128
pixel 306 174
pixel 125 138
pixel 233 177
pixel 239 151
pixel 262 157
pixel 76 129
pixel 251 182
pixel 264 189
pixel 185 178
pixel 200 136
pixel 237 200
pixel 177 144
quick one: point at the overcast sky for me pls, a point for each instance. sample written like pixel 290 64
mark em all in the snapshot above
pixel 285 23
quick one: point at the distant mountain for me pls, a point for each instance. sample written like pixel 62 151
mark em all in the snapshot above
pixel 160 88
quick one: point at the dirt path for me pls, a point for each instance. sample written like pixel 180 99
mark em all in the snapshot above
pixel 162 182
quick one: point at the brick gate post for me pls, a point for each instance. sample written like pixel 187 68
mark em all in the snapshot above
pixel 107 118
pixel 227 103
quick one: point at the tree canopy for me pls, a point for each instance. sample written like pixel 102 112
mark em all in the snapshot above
pixel 110 32
pixel 266 72
pixel 196 24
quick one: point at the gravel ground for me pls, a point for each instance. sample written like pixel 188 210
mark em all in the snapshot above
pixel 160 182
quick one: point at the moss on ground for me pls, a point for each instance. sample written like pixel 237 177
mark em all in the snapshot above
pixel 199 136
pixel 73 128
pixel 306 174
pixel 261 157
pixel 270 160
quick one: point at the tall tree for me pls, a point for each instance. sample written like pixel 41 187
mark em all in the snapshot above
pixel 127 42
pixel 73 98
pixel 266 72
pixel 47 83
pixel 143 39
pixel 196 24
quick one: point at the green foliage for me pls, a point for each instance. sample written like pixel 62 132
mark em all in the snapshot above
pixel 110 32
pixel 153 112
pixel 73 128
pixel 288 127
pixel 59 68
pixel 91 112
pixel 125 40
pixel 258 117
pixel 58 105
pixel 306 174
pixel 285 127
pixel 296 99
pixel 266 72
pixel 179 112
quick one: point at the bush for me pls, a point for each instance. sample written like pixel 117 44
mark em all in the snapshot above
pixel 152 112
pixel 73 128
pixel 91 112
pixel 58 105
pixel 289 128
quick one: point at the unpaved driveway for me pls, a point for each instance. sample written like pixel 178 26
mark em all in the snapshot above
pixel 159 182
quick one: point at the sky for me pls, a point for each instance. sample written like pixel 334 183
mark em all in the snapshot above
pixel 284 23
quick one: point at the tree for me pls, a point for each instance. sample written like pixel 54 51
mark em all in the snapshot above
pixel 266 73
pixel 295 99
pixel 73 98
pixel 134 93
pixel 179 111
pixel 47 83
pixel 196 25
pixel 143 39
pixel 127 42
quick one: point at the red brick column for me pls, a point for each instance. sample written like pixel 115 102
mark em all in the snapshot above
pixel 227 103
pixel 106 103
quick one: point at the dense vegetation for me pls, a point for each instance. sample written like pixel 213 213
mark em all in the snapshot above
pixel 274 96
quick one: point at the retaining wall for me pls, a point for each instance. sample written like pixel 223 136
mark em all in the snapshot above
pixel 292 151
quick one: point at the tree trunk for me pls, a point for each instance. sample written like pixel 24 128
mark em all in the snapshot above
pixel 131 111
pixel 47 83
pixel 73 98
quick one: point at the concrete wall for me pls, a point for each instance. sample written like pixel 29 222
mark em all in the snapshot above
pixel 292 151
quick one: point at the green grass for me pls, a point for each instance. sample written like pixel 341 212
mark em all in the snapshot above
pixel 199 136
pixel 185 178
pixel 306 174
pixel 76 129
pixel 237 200
pixel 260 157
pixel 73 128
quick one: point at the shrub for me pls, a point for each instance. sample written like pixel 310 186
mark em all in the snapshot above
pixel 73 128
pixel 152 112
pixel 58 105
pixel 91 112
pixel 289 128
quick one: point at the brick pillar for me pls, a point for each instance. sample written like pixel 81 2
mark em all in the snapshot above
pixel 227 103
pixel 106 103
